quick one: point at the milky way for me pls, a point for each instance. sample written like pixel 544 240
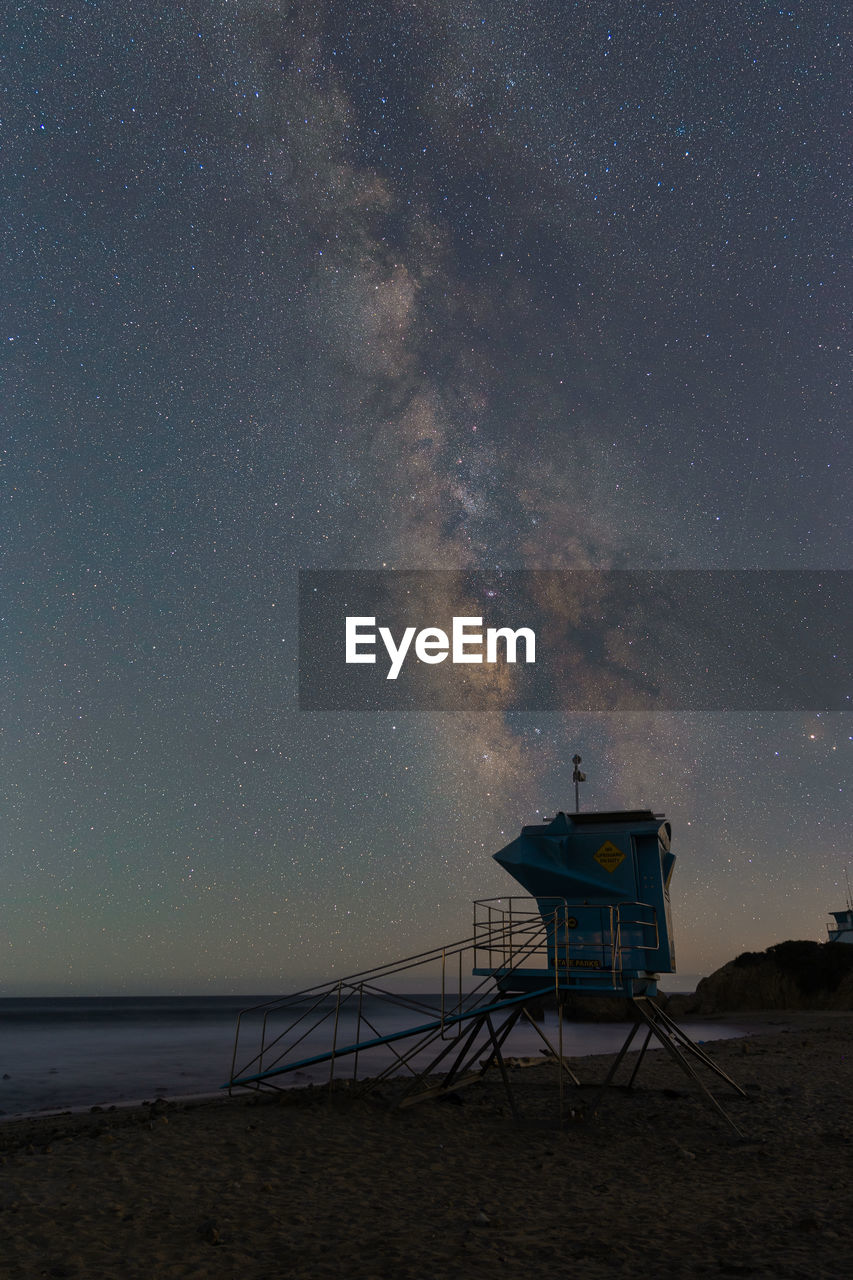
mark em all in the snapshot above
pixel 406 286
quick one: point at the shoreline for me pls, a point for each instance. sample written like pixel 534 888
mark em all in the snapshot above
pixel 749 1022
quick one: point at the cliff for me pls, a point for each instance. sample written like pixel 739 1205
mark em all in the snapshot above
pixel 790 975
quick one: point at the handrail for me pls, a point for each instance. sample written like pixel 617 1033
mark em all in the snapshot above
pixel 364 982
pixel 530 941
pixel 333 1053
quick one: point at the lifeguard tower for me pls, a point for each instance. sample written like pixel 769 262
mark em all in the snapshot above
pixel 600 882
pixel 595 922
pixel 842 930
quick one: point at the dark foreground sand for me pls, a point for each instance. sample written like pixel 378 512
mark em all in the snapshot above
pixel 319 1185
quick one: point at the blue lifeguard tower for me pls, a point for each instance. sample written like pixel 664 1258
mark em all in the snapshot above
pixel 600 882
pixel 595 921
pixel 842 930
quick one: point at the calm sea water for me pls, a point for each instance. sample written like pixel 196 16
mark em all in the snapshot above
pixel 78 1052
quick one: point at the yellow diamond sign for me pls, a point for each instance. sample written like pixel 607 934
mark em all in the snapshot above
pixel 609 856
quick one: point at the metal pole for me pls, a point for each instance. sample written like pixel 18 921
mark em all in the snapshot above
pixel 335 1035
pixel 577 778
pixel 357 1031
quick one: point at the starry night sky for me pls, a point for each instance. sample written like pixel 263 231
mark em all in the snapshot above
pixel 413 285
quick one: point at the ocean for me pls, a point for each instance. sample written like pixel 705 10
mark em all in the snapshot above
pixel 77 1052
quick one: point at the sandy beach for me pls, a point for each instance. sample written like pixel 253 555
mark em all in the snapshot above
pixel 316 1184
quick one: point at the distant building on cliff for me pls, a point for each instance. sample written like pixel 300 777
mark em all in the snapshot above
pixel 843 928
pixel 843 931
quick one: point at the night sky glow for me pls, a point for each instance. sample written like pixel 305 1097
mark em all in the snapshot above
pixel 407 285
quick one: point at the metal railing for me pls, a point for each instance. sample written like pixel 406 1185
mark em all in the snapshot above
pixel 519 944
pixel 344 1017
pixel 577 935
pixel 533 948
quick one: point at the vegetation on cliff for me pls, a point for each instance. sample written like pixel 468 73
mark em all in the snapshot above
pixel 790 975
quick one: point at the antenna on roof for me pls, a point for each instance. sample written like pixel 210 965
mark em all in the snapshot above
pixel 577 777
pixel 849 897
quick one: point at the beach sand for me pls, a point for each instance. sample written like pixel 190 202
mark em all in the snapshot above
pixel 316 1184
